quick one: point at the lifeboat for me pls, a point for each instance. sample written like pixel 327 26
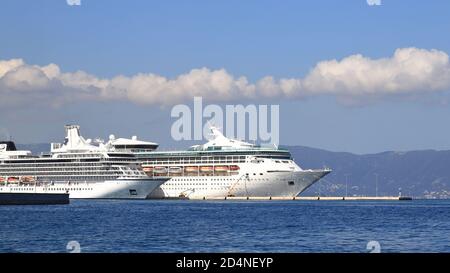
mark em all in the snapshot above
pixel 175 169
pixel 13 179
pixel 206 168
pixel 148 169
pixel 221 168
pixel 28 179
pixel 160 170
pixel 191 169
pixel 234 168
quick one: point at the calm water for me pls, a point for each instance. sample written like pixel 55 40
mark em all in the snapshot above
pixel 201 226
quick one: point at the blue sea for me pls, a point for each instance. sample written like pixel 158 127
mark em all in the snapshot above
pixel 228 226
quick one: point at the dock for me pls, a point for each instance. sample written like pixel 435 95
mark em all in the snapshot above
pixel 312 198
pixel 8 198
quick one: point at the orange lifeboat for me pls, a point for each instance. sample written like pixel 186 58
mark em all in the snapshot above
pixel 13 179
pixel 221 168
pixel 191 169
pixel 234 168
pixel 28 179
pixel 206 168
pixel 148 169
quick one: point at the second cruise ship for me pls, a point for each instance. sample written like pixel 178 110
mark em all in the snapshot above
pixel 222 167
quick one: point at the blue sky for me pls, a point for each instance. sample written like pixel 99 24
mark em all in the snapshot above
pixel 282 39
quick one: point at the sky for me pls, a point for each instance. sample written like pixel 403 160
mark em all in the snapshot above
pixel 348 76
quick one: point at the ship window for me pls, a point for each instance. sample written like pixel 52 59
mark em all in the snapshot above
pixel 291 183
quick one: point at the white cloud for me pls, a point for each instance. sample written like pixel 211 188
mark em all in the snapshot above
pixel 409 72
pixel 217 85
pixel 10 65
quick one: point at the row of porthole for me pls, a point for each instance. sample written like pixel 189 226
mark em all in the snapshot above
pixel 196 179
pixel 22 189
pixel 232 180
pixel 187 189
pixel 70 189
pixel 195 184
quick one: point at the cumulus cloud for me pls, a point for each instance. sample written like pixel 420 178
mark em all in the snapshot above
pixel 409 72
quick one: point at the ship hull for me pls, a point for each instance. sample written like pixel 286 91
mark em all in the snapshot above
pixel 269 184
pixel 110 189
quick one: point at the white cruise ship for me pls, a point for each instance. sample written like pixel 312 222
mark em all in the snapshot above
pixel 222 167
pixel 76 167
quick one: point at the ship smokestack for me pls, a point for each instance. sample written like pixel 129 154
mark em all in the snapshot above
pixel 73 137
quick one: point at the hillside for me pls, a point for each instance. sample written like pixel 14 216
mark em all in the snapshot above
pixel 418 173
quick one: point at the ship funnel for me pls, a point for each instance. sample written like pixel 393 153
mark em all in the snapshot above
pixel 73 138
pixel 73 141
pixel 72 134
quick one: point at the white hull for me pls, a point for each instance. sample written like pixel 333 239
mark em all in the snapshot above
pixel 260 183
pixel 112 189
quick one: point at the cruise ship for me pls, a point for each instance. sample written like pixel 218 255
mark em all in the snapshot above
pixel 76 167
pixel 222 167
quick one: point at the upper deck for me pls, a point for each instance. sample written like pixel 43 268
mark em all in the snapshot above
pixel 218 148
pixel 255 152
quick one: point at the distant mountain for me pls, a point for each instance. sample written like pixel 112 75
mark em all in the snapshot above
pixel 418 173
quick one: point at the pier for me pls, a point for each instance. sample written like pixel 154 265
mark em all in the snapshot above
pixel 16 198
pixel 313 198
